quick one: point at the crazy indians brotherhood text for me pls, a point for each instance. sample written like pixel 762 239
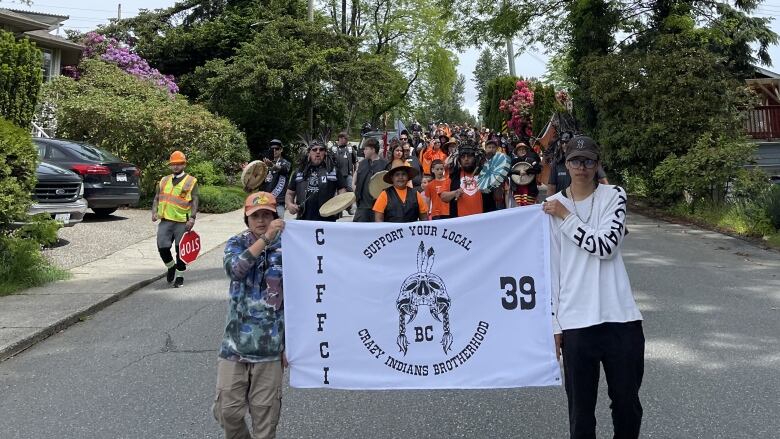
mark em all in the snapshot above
pixel 389 306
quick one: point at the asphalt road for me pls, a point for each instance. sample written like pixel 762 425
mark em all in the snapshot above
pixel 145 367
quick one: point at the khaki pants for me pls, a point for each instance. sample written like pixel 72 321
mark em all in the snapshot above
pixel 253 386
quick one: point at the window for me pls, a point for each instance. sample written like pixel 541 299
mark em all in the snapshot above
pixel 48 64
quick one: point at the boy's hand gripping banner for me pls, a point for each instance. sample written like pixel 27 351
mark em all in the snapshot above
pixel 461 303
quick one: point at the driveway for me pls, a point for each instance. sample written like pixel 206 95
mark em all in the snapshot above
pixel 97 237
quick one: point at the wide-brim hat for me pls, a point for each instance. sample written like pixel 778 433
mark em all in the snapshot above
pixel 410 171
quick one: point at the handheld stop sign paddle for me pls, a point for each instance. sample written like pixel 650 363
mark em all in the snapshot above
pixel 189 247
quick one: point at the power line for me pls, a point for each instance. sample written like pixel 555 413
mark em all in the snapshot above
pixel 72 8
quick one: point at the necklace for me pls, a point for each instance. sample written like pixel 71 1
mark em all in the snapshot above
pixel 592 202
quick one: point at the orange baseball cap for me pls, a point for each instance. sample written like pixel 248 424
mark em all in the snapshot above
pixel 259 201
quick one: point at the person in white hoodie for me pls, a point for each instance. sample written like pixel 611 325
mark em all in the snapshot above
pixel 595 317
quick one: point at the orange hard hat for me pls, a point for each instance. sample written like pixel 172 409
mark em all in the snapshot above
pixel 177 158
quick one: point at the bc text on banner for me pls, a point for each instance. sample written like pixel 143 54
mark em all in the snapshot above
pixel 461 303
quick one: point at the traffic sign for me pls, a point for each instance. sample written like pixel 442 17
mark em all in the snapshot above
pixel 189 247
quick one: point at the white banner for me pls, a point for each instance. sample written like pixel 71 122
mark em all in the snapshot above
pixel 461 303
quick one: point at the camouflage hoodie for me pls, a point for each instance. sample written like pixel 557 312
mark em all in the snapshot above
pixel 254 330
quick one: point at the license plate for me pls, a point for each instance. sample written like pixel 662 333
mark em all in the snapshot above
pixel 62 217
pixel 121 177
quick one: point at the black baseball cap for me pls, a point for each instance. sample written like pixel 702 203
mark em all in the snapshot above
pixel 582 146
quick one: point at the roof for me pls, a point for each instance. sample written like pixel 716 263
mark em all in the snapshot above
pixel 52 20
pixel 42 36
pixel 21 22
pixel 764 73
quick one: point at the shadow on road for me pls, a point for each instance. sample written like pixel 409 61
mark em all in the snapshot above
pixel 90 217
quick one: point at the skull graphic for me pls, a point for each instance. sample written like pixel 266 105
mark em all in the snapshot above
pixel 423 288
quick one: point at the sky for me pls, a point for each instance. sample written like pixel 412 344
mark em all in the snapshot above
pixel 85 15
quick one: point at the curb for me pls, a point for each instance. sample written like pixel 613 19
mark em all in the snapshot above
pixel 44 333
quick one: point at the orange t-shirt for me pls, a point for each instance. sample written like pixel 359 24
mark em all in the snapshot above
pixel 428 156
pixel 433 191
pixel 470 202
pixel 381 203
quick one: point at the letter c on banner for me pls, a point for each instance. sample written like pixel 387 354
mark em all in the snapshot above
pixel 317 234
pixel 324 350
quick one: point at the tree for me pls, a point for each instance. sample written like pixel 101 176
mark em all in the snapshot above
pixel 440 90
pixel 263 87
pixel 651 105
pixel 20 79
pixel 490 65
pixel 141 122
pixel 179 39
pixel 498 89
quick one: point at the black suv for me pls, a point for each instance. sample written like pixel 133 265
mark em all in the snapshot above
pixel 59 193
pixel 109 182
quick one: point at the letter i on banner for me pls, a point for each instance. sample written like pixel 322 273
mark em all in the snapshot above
pixel 319 238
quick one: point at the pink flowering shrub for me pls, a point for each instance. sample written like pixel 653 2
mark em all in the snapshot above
pixel 112 51
pixel 518 107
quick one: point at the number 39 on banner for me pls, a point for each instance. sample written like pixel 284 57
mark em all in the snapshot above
pixel 527 288
pixel 189 247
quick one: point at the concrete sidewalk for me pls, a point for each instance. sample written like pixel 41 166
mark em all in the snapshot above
pixel 37 313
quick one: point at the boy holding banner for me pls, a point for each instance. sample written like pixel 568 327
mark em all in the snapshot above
pixel 251 357
pixel 595 317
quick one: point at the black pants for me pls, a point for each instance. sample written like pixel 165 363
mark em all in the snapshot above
pixel 363 215
pixel 440 217
pixel 620 347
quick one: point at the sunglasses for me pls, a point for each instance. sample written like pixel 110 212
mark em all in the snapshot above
pixel 318 149
pixel 404 138
pixel 578 163
pixel 276 147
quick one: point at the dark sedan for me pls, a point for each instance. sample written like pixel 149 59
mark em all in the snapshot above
pixel 109 182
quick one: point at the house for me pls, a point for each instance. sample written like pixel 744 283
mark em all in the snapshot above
pixel 762 123
pixel 58 52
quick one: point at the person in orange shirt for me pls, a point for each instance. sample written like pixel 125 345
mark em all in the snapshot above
pixel 440 183
pixel 464 195
pixel 431 152
pixel 399 203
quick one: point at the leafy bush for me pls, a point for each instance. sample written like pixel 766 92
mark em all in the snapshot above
pixel 22 265
pixel 20 78
pixel 634 184
pixel 220 199
pixel 745 218
pixel 206 173
pixel 772 206
pixel 42 230
pixel 750 184
pixel 18 161
pixel 141 122
pixel 705 170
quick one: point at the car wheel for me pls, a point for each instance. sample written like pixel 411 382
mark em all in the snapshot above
pixel 106 211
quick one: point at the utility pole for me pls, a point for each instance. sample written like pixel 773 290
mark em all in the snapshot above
pixel 311 91
pixel 119 11
pixel 510 50
pixel 510 53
